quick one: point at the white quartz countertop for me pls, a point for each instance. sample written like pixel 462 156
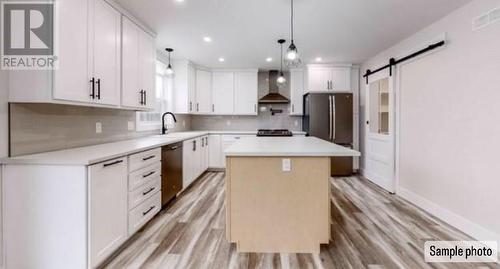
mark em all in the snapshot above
pixel 288 146
pixel 89 155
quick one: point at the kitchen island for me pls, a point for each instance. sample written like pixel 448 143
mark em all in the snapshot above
pixel 278 193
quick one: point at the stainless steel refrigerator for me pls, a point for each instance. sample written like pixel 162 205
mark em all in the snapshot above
pixel 329 116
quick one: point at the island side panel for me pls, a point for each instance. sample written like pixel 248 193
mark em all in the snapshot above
pixel 271 210
pixel 228 199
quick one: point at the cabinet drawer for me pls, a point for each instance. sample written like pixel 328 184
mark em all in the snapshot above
pixel 144 192
pixel 140 177
pixel 143 159
pixel 234 138
pixel 143 213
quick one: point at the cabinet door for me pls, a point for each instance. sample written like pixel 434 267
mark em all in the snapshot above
pixel 71 81
pixel 107 217
pixel 105 52
pixel 203 92
pixel 131 92
pixel 296 91
pixel 191 84
pixel 319 79
pixel 341 79
pixel 206 152
pixel 223 92
pixel 245 93
pixel 147 67
pixel 215 151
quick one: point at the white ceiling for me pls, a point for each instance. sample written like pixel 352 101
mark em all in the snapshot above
pixel 245 32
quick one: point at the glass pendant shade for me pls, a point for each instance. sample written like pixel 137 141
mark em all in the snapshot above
pixel 292 58
pixel 169 71
pixel 281 79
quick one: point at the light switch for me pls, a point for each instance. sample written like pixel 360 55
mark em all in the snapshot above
pixel 98 127
pixel 286 165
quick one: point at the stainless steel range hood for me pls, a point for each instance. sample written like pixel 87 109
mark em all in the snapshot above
pixel 274 96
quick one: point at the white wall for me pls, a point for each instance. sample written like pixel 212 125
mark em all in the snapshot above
pixel 450 121
pixel 3 138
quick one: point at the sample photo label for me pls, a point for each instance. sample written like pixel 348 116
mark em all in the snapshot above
pixel 461 251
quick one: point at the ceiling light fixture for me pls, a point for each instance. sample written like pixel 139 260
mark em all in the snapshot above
pixel 207 39
pixel 269 59
pixel 292 55
pixel 281 78
pixel 169 70
pixel 179 1
pixel 222 60
pixel 319 59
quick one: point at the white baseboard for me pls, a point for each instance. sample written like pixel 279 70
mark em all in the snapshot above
pixel 470 228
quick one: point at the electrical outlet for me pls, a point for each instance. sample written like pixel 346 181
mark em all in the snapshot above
pixel 131 126
pixel 184 123
pixel 286 165
pixel 263 109
pixel 228 122
pixel 98 127
pixel 296 123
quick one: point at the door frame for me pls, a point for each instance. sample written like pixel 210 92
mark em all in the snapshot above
pixel 393 125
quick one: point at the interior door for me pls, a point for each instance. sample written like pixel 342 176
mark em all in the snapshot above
pixel 380 138
pixel 105 52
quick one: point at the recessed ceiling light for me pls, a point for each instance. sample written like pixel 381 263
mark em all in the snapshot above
pixel 319 59
pixel 179 1
pixel 207 39
pixel 222 59
pixel 269 59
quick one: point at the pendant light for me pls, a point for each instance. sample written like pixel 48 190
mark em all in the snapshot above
pixel 169 69
pixel 292 54
pixel 281 78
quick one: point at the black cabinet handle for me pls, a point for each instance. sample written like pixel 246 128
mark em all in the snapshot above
pixel 148 158
pixel 92 94
pixel 98 89
pixel 145 98
pixel 112 163
pixel 194 145
pixel 142 98
pixel 147 211
pixel 148 174
pixel 148 191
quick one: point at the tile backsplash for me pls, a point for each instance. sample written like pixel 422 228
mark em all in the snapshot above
pixel 249 123
pixel 38 128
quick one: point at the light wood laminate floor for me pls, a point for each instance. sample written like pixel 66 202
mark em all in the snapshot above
pixel 370 229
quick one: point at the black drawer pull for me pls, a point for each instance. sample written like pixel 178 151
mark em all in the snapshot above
pixel 146 192
pixel 148 174
pixel 113 163
pixel 148 158
pixel 147 211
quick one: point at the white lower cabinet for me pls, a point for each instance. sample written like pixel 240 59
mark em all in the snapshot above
pixel 215 152
pixel 107 217
pixel 144 212
pixel 195 155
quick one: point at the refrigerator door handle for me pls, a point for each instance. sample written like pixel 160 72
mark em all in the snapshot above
pixel 330 117
pixel 334 119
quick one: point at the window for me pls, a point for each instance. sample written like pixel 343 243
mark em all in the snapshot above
pixel 151 120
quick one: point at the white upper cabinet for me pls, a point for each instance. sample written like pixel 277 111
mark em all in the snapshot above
pixel 223 92
pixel 203 92
pixel 329 78
pixel 245 92
pixel 71 81
pixel 89 53
pixel 184 87
pixel 297 90
pixel 104 52
pixel 138 66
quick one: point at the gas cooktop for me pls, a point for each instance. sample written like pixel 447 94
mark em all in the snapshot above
pixel 277 132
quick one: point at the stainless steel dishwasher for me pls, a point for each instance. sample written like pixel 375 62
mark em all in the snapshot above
pixel 171 172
